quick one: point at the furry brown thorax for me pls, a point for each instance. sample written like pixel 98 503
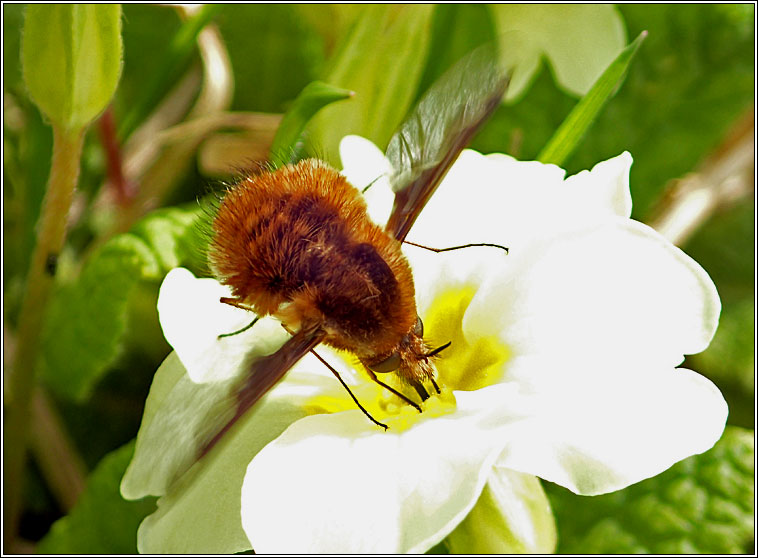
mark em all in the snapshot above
pixel 297 244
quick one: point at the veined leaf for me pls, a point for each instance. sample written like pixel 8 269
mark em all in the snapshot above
pixel 87 319
pixel 702 505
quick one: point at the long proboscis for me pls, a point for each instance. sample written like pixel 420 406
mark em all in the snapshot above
pixel 443 123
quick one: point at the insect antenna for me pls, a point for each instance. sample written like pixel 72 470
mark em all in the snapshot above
pixel 344 385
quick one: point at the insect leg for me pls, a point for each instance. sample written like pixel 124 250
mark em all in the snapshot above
pixel 344 385
pixel 248 326
pixel 393 390
pixel 237 303
pixel 438 250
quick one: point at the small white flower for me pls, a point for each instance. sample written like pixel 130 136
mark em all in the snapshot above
pixel 563 365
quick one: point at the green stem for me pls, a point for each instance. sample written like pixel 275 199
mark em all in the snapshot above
pixel 67 149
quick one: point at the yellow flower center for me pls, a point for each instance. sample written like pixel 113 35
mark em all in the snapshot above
pixel 465 366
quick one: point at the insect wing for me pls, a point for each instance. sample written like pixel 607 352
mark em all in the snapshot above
pixel 264 373
pixel 186 418
pixel 441 125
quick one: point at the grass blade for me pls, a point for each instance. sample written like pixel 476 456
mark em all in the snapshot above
pixel 568 135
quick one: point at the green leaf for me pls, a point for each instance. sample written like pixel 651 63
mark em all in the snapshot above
pixel 381 60
pixel 702 505
pixel 102 522
pixel 13 22
pixel 177 236
pixel 313 98
pixel 578 121
pixel 71 56
pixel 330 21
pixel 87 319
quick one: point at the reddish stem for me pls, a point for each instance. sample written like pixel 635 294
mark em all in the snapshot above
pixel 125 190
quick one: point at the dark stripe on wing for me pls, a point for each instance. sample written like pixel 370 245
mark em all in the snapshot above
pixel 263 375
pixel 443 123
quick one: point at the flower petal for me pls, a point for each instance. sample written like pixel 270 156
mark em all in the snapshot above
pixel 435 274
pixel 152 469
pixel 365 166
pixel 335 483
pixel 512 516
pixel 477 200
pixel 180 415
pixel 612 429
pixel 192 318
pixel 498 199
pixel 200 512
pixel 619 291
pixel 605 188
pixel 590 401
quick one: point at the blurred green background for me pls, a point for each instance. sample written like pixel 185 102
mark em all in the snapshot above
pixel 685 112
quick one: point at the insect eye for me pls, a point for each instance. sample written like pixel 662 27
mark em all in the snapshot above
pixel 418 329
pixel 389 364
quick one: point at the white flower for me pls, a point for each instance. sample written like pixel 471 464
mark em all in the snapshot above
pixel 563 365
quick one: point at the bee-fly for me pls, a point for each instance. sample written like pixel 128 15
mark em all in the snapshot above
pixel 297 244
